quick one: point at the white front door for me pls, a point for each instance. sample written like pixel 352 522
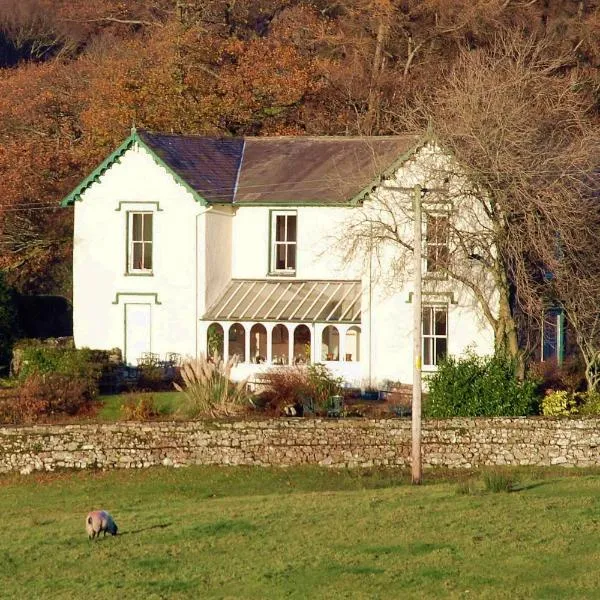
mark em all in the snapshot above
pixel 137 331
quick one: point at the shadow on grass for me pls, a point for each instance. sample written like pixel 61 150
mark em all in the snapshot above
pixel 149 528
pixel 530 486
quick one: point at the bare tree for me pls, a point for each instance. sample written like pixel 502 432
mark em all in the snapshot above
pixel 521 143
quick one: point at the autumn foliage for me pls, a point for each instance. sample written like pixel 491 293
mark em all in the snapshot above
pixel 76 75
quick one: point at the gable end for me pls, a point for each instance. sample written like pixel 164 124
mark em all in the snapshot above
pixel 115 157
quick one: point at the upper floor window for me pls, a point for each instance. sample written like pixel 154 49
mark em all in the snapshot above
pixel 140 242
pixel 435 334
pixel 283 236
pixel 437 253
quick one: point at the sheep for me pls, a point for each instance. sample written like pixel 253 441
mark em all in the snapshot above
pixel 99 521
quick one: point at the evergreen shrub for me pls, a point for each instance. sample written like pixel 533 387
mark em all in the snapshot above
pixel 8 322
pixel 476 386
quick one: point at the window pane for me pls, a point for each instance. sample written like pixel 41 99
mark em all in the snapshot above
pixel 136 262
pixel 427 354
pixel 441 348
pixel 148 255
pixel 291 228
pixel 280 256
pixel 431 261
pixel 442 258
pixel 291 256
pixel 427 321
pixel 440 321
pixel 280 228
pixel 136 229
pixel 148 227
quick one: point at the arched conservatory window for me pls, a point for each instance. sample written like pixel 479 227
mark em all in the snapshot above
pixel 258 344
pixel 330 344
pixel 302 345
pixel 215 340
pixel 352 352
pixel 237 341
pixel 280 344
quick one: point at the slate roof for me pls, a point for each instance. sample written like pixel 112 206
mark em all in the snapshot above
pixel 272 170
pixel 209 165
pixel 268 170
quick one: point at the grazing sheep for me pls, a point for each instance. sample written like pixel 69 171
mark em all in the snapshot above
pixel 100 521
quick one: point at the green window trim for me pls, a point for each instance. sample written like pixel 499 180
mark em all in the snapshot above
pixel 272 272
pixel 449 295
pixel 432 337
pixel 129 270
pixel 138 202
pixel 141 295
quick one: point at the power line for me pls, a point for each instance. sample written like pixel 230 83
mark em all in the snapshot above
pixel 286 188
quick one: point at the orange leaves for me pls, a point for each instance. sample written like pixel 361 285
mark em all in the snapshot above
pixel 261 79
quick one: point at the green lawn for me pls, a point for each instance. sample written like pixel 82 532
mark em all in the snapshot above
pixel 165 403
pixel 301 533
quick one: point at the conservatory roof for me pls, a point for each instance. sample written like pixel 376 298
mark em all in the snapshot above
pixel 277 300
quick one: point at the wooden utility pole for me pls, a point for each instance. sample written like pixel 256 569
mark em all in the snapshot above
pixel 417 468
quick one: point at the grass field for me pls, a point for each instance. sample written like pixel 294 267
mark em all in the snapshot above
pixel 165 403
pixel 301 533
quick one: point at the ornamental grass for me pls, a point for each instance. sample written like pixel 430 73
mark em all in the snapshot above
pixel 209 389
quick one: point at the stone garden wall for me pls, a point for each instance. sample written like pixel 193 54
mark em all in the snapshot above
pixel 454 443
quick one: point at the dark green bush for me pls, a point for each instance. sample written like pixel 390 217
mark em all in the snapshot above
pixel 84 366
pixel 82 362
pixel 8 322
pixel 477 386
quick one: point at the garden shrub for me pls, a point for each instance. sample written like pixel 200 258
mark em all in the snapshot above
pixel 558 403
pixel 281 387
pixel 209 390
pixel 285 386
pixel 139 408
pixel 570 375
pixel 8 322
pixel 588 403
pixel 476 386
pixel 48 395
pixel 84 366
pixel 66 361
pixel 152 379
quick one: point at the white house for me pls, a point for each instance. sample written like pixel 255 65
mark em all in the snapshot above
pixel 189 243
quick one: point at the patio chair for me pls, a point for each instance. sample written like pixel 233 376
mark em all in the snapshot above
pixel 308 406
pixel 335 406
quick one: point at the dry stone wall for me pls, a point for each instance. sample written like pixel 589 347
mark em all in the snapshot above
pixel 348 443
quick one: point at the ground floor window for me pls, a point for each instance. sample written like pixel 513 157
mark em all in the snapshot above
pixel 435 334
pixel 302 346
pixel 352 350
pixel 283 344
pixel 280 344
pixel 330 344
pixel 258 344
pixel 237 342
pixel 214 340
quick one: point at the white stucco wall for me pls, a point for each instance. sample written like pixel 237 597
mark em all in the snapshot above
pixel 317 256
pixel 137 183
pixel 388 328
pixel 198 250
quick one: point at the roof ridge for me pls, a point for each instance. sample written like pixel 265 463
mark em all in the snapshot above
pixel 337 137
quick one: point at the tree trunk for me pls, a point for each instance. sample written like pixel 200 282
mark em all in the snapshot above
pixel 507 341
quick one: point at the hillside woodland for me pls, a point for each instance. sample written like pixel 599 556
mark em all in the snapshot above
pixel 511 87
